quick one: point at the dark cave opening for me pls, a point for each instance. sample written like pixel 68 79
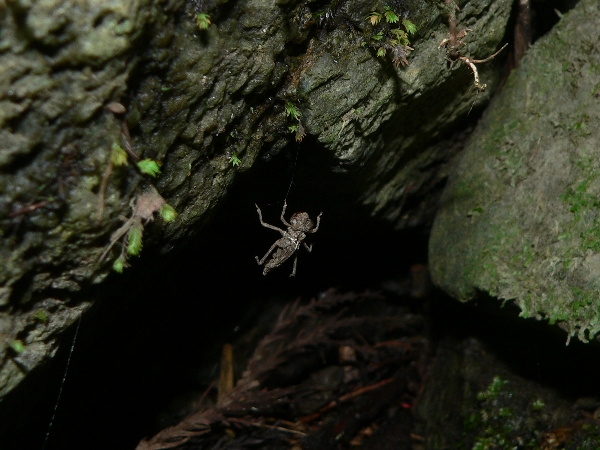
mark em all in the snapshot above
pixel 154 342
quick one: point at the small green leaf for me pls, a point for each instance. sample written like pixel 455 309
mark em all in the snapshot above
pixel 119 264
pixel 234 160
pixel 410 27
pixel 378 36
pixel 381 52
pixel 293 128
pixel 17 345
pixel 390 16
pixel 167 212
pixel 400 36
pixel 134 239
pixel 374 17
pixel 493 389
pixel 537 404
pixel 118 156
pixel 203 21
pixel 149 167
pixel 292 111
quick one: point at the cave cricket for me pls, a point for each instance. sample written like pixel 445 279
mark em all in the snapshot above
pixel 300 224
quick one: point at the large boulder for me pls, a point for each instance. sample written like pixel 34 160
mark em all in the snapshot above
pixel 520 217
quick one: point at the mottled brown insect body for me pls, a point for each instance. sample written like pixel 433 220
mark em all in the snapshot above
pixel 291 240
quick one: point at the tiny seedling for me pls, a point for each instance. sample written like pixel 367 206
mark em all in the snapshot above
pixel 17 346
pixel 134 239
pixel 149 167
pixel 493 389
pixel 390 16
pixel 394 40
pixel 118 156
pixel 234 160
pixel 374 17
pixel 119 264
pixel 293 113
pixel 203 21
pixel 167 213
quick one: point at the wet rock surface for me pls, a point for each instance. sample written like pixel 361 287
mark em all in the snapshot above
pixel 212 106
pixel 195 98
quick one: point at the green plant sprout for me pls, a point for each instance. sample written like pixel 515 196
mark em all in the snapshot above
pixel 119 264
pixel 118 156
pixel 395 40
pixel 410 27
pixel 203 21
pixel 390 16
pixel 17 346
pixel 293 113
pixel 538 404
pixel 234 160
pixel 149 167
pixel 493 389
pixel 167 213
pixel 378 36
pixel 134 239
pixel 374 17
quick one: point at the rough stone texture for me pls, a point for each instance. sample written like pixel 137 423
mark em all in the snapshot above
pixel 388 127
pixel 520 217
pixel 59 63
pixel 474 400
pixel 194 98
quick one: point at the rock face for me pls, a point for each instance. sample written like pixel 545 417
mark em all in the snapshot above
pixel 195 99
pixel 520 217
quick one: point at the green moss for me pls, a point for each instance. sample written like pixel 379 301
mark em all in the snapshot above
pixel 538 404
pixel 134 239
pixel 41 316
pixel 149 167
pixel 493 389
pixel 119 264
pixel 291 111
pixel 168 213
pixel 17 345
pixel 118 156
pixel 503 420
pixel 203 21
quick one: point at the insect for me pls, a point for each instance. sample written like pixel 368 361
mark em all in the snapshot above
pixel 300 224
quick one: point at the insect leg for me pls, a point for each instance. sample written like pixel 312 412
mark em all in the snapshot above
pixel 293 274
pixel 261 261
pixel 314 230
pixel 266 225
pixel 283 212
pixel 308 247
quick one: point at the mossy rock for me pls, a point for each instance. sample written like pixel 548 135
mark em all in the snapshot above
pixel 520 217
